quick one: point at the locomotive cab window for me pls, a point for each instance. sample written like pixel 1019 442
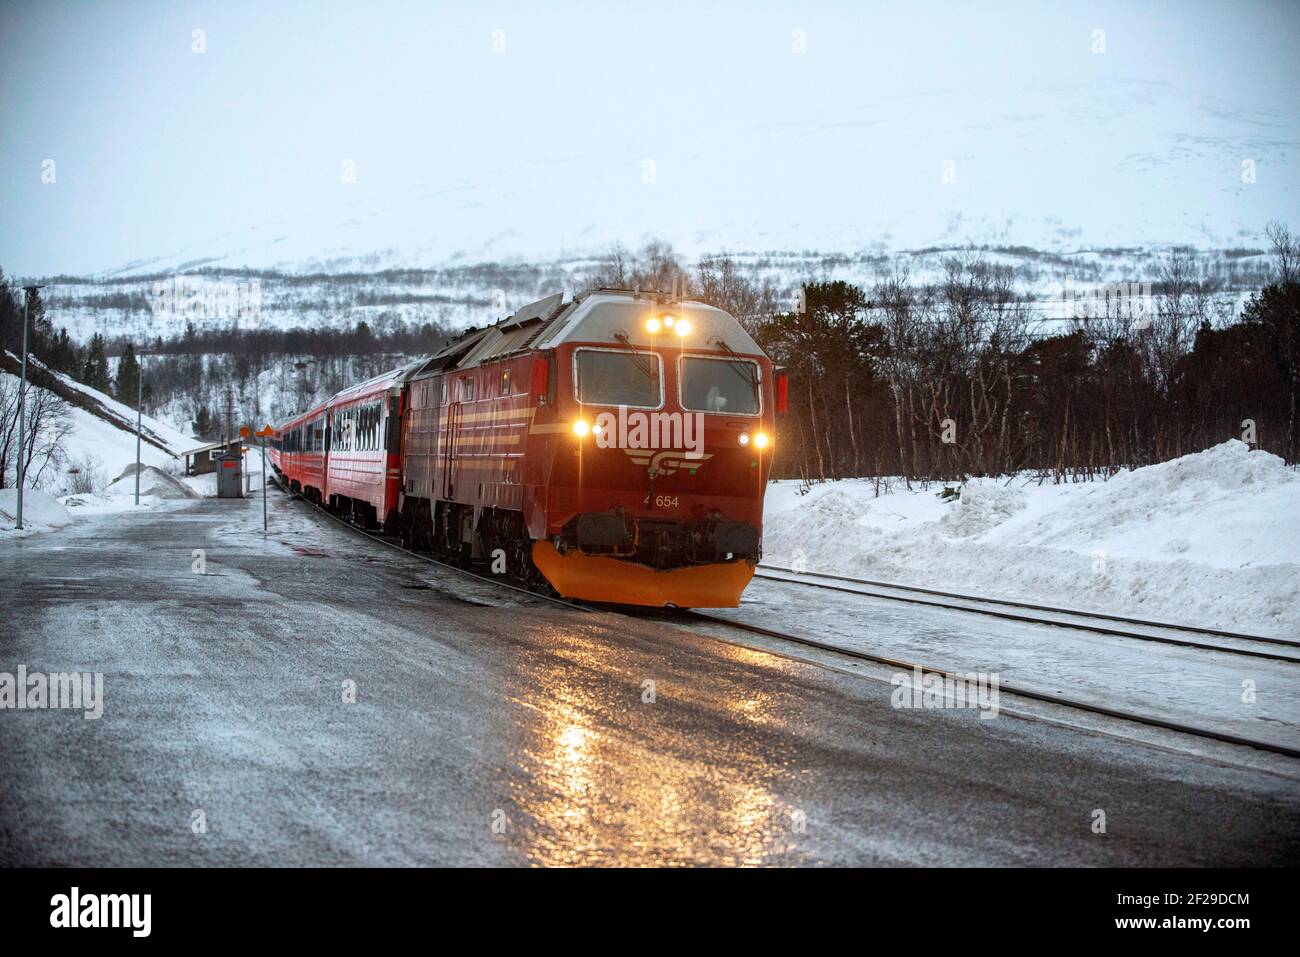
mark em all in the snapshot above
pixel 721 386
pixel 608 377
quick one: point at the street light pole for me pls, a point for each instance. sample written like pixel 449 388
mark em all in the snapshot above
pixel 139 410
pixel 22 406
pixel 263 485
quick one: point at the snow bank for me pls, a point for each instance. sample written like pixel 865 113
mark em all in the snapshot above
pixel 1211 538
pixel 41 512
pixel 153 482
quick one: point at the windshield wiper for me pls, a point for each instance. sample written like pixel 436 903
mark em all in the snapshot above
pixel 742 367
pixel 638 357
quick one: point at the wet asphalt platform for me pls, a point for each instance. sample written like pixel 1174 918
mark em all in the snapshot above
pixel 313 698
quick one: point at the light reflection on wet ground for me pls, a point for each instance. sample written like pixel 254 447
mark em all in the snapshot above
pixel 641 790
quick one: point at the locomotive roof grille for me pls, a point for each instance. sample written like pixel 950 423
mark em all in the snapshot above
pixel 550 321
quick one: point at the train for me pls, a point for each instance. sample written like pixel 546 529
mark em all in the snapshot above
pixel 612 447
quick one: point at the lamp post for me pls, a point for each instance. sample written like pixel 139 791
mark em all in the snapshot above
pixel 139 410
pixel 22 405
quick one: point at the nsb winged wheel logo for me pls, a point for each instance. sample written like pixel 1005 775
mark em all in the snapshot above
pixel 667 461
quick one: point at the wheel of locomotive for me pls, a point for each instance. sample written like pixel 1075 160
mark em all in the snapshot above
pixel 408 526
pixel 393 526
pixel 426 529
pixel 421 524
pixel 530 574
pixel 439 540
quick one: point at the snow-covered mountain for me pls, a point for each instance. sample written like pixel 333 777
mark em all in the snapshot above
pixel 146 305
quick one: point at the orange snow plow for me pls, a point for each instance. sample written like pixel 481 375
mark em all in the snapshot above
pixel 604 579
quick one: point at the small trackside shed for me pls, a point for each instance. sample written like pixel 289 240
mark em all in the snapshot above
pixel 202 460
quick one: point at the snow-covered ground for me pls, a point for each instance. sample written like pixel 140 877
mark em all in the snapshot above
pixel 106 442
pixel 99 455
pixel 41 512
pixel 1210 539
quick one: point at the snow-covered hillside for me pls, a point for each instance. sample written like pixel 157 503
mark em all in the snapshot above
pixel 101 441
pixel 1209 539
pixel 147 305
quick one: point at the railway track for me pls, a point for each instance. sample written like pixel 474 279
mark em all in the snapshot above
pixel 1168 633
pixel 686 615
pixel 1003 687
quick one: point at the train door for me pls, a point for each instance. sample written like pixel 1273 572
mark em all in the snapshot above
pixel 449 446
pixel 432 446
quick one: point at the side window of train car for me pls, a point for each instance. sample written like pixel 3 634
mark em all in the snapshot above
pixel 469 390
pixel 393 426
pixel 505 382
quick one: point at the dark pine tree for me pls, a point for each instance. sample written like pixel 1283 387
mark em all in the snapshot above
pixel 203 423
pixel 94 372
pixel 128 377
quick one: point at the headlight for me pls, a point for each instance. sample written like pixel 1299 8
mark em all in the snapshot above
pixel 652 326
pixel 743 439
pixel 760 440
pixel 682 328
pixel 581 428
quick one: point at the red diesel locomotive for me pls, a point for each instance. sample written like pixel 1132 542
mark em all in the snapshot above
pixel 614 448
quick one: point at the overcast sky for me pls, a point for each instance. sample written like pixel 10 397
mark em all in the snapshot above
pixel 760 125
